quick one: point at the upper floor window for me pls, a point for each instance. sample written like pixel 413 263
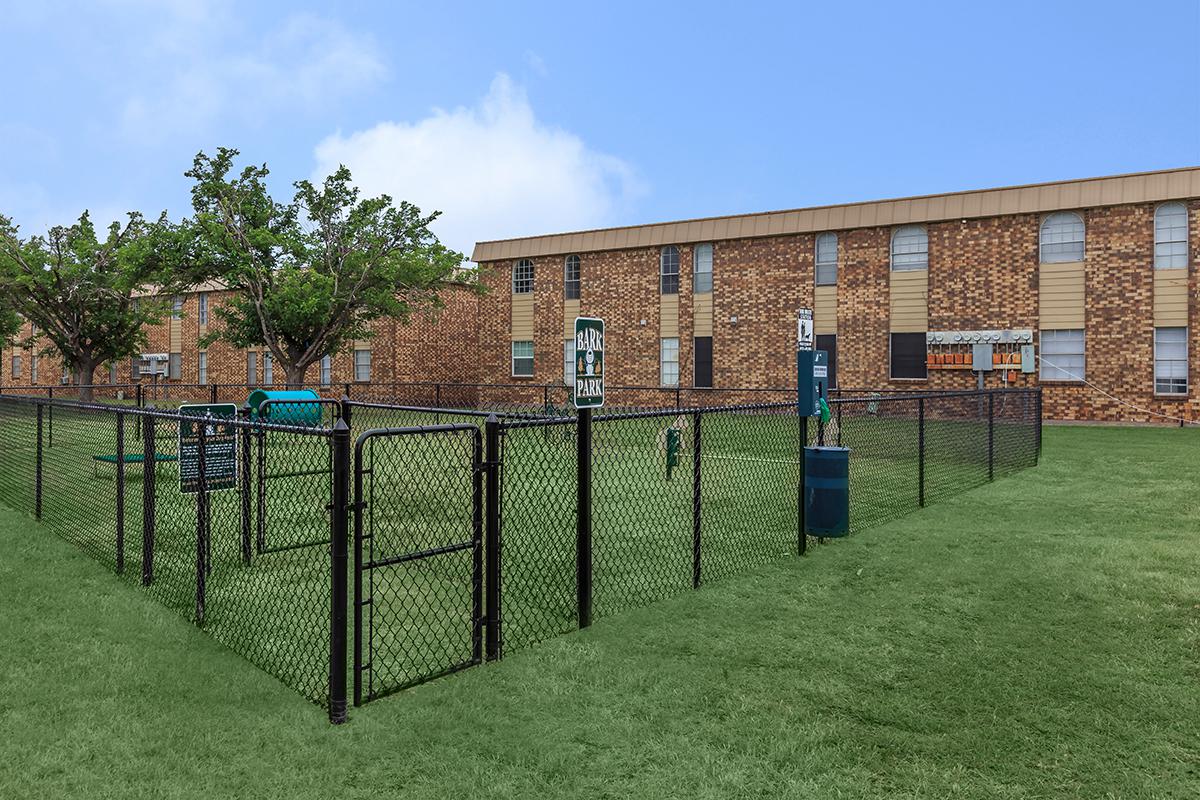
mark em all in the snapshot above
pixel 910 248
pixel 1170 236
pixel 176 307
pixel 571 278
pixel 702 271
pixel 522 281
pixel 668 269
pixel 202 313
pixel 1062 238
pixel 827 259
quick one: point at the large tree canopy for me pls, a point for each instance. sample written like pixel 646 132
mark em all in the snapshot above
pixel 10 323
pixel 91 298
pixel 311 275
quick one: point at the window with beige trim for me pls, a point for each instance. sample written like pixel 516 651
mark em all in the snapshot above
pixel 522 278
pixel 910 248
pixel 1061 238
pixel 1170 361
pixel 668 269
pixel 669 361
pixel 571 278
pixel 826 270
pixel 16 366
pixel 702 271
pixel 522 359
pixel 1171 236
pixel 362 365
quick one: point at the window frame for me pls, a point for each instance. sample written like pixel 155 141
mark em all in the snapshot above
pixel 666 255
pixel 663 361
pixel 252 368
pixel 513 358
pixel 325 370
pixel 571 286
pixel 702 279
pixel 202 308
pixel 1043 362
pixel 202 367
pixel 33 368
pixel 177 306
pixel 268 364
pixel 14 365
pixel 1181 395
pixel 360 364
pixel 908 267
pixel 1042 243
pixel 924 376
pixel 1186 240
pixel 697 360
pixel 174 366
pixel 569 362
pixel 522 284
pixel 818 263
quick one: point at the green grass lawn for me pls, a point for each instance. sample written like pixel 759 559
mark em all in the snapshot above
pixel 1036 637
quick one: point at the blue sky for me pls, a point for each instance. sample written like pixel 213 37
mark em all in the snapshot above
pixel 522 118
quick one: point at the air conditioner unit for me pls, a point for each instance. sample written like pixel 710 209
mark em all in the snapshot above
pixel 153 364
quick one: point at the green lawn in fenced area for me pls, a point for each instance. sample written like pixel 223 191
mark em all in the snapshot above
pixel 1031 638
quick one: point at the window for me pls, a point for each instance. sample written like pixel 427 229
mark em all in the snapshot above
pixel 1063 356
pixel 64 375
pixel 176 307
pixel 522 359
pixel 174 365
pixel 202 367
pixel 703 361
pixel 251 368
pixel 703 269
pixel 268 369
pixel 33 368
pixel 908 355
pixel 668 362
pixel 1062 238
pixel 571 278
pixel 827 259
pixel 135 369
pixel 202 303
pixel 668 269
pixel 1171 236
pixel 1170 361
pixel 910 249
pixel 16 366
pixel 522 282
pixel 568 362
pixel 362 365
pixel 828 343
pixel 112 373
pixel 326 370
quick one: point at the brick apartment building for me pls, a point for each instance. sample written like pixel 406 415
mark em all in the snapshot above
pixel 1098 275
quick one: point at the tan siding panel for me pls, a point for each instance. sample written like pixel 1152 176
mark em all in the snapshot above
pixel 668 317
pixel 1170 298
pixel 825 310
pixel 570 312
pixel 702 315
pixel 909 301
pixel 1061 289
pixel 176 335
pixel 522 317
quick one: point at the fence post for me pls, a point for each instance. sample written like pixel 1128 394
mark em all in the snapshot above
pixel 120 492
pixel 696 417
pixel 803 523
pixel 37 476
pixel 346 390
pixel 244 436
pixel 139 395
pixel 991 435
pixel 921 452
pixel 339 508
pixel 260 487
pixel 212 393
pixel 148 479
pixel 839 421
pixel 583 522
pixel 1039 425
pixel 50 418
pixel 201 517
pixel 492 537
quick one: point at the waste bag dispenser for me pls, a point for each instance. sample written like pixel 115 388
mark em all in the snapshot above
pixel 827 491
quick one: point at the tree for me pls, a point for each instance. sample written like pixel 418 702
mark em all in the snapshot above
pixel 91 298
pixel 310 276
pixel 10 324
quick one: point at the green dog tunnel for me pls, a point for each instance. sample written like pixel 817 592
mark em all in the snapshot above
pixel 827 491
pixel 287 407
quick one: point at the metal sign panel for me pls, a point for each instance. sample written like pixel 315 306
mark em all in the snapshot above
pixel 220 447
pixel 805 333
pixel 589 362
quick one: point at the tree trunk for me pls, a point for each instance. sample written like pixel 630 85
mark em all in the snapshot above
pixel 84 369
pixel 295 376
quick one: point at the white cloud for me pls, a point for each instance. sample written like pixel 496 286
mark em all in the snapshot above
pixel 494 170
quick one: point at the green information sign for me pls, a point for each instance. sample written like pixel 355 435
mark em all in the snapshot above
pixel 220 447
pixel 589 362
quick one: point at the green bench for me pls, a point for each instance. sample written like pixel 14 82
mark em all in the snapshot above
pixel 130 458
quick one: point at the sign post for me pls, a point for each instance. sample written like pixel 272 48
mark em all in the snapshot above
pixel 589 362
pixel 805 341
pixel 219 440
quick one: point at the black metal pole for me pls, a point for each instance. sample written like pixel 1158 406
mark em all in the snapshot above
pixel 696 417
pixel 148 480
pixel 37 475
pixel 991 435
pixel 50 418
pixel 359 506
pixel 212 393
pixel 803 525
pixel 201 516
pixel 1039 425
pixel 260 487
pixel 921 452
pixel 477 614
pixel 244 437
pixel 120 492
pixel 340 507
pixel 583 522
pixel 495 639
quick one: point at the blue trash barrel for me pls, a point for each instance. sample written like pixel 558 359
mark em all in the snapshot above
pixel 290 413
pixel 827 491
